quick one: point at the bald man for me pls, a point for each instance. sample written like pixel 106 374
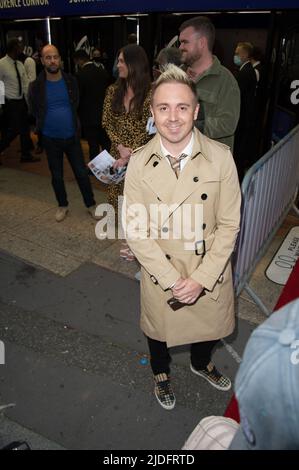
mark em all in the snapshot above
pixel 53 100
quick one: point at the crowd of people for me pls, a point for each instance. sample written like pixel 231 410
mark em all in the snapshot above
pixel 229 104
pixel 204 120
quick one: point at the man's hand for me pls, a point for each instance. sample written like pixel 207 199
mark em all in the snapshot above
pixel 187 290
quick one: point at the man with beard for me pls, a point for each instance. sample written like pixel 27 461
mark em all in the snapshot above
pixel 53 99
pixel 217 90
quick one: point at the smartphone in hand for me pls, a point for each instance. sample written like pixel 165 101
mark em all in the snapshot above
pixel 175 304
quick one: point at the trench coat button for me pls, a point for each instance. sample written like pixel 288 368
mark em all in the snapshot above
pixel 168 256
pixel 153 279
pixel 158 198
pixel 204 226
pixel 204 196
pixel 165 229
pixel 220 279
pixel 155 163
pixel 195 179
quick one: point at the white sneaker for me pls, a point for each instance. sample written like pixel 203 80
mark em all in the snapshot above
pixel 61 214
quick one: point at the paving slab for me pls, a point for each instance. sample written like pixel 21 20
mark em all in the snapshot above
pixel 29 229
pixel 54 261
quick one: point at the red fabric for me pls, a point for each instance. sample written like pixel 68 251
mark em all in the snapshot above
pixel 291 289
pixel 232 411
pixel 290 292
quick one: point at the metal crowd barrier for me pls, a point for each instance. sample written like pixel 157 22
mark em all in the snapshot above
pixel 269 191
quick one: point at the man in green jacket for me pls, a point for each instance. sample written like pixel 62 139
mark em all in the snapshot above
pixel 217 89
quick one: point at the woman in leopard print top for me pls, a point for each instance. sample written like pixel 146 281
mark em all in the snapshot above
pixel 126 111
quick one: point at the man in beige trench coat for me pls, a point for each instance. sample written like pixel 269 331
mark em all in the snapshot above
pixel 183 171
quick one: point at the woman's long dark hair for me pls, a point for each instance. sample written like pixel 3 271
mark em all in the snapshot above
pixel 138 79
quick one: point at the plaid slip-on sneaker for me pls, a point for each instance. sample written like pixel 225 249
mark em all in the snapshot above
pixel 164 392
pixel 213 376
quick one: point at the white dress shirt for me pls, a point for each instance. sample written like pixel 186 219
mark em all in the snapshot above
pixel 256 71
pixel 8 76
pixel 187 151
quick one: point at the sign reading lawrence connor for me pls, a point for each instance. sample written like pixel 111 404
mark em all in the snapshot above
pixel 22 3
pixel 43 8
pixel 24 8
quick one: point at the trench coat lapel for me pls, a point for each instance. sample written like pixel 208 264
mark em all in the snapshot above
pixel 159 175
pixel 189 180
pixel 163 182
pixel 196 172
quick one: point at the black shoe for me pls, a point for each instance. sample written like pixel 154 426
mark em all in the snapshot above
pixel 29 159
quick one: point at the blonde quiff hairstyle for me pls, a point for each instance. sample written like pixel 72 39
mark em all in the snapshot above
pixel 173 74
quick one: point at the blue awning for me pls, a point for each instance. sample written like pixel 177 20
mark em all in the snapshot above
pixel 17 9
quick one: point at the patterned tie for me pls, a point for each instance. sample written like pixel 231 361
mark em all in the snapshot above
pixel 19 78
pixel 175 163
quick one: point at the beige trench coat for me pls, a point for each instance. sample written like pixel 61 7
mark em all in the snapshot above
pixel 209 178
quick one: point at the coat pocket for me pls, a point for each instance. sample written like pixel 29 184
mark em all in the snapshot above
pixel 223 282
pixel 215 292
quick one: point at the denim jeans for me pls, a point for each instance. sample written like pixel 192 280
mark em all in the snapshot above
pixel 55 148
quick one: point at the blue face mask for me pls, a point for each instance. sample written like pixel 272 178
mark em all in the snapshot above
pixel 237 60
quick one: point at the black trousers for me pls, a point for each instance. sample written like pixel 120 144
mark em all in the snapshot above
pixel 96 137
pixel 55 148
pixel 16 122
pixel 160 357
pixel 245 153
